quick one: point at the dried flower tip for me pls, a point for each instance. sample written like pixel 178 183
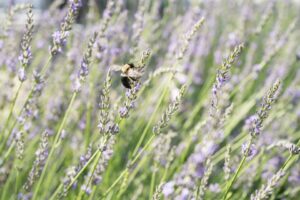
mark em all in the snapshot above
pixel 172 108
pixel 25 55
pixel 263 112
pixel 266 190
pixel 83 72
pixel 188 37
pixel 293 148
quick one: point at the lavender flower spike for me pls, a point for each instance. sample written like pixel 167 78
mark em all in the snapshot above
pixel 266 190
pixel 26 55
pixel 83 72
pixel 172 108
pixel 59 38
pixel 263 112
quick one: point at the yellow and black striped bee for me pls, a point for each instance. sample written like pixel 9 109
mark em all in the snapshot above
pixel 129 74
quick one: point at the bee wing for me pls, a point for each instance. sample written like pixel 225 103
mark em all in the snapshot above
pixel 116 67
pixel 134 73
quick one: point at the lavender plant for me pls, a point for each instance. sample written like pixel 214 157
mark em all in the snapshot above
pixel 207 117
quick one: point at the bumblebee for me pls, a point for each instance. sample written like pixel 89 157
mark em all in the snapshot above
pixel 129 74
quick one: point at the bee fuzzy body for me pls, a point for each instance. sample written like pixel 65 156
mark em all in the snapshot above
pixel 129 74
pixel 126 82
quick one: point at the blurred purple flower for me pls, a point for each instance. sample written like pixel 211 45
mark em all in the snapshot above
pixel 252 151
pixel 168 188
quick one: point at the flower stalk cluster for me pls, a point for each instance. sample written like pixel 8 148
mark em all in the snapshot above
pixel 172 108
pixel 59 38
pixel 85 63
pixel 264 110
pixel 223 77
pixel 106 126
pixel 248 148
pixel 84 70
pixel 188 37
pixel 26 55
pixel 41 156
pixel 73 171
pixel 293 148
pixel 266 190
pixel 106 148
pixel 204 180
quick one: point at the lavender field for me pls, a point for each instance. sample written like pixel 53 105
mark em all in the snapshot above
pixel 150 99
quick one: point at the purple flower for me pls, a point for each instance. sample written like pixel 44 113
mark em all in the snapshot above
pixel 86 189
pixel 22 74
pixel 253 126
pixel 199 171
pixel 272 166
pixel 123 112
pixel 84 70
pixel 75 5
pixel 184 195
pixel 294 178
pixel 252 151
pixel 60 39
pixel 25 57
pixel 1 44
pixel 168 188
pixel 215 188
pixel 114 129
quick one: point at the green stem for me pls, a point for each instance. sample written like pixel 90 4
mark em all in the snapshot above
pixel 238 169
pixel 76 177
pixel 17 181
pixel 12 107
pixel 150 121
pixel 45 67
pixel 6 136
pixel 93 169
pixel 152 181
pixel 57 137
pixel 116 182
pixel 132 163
